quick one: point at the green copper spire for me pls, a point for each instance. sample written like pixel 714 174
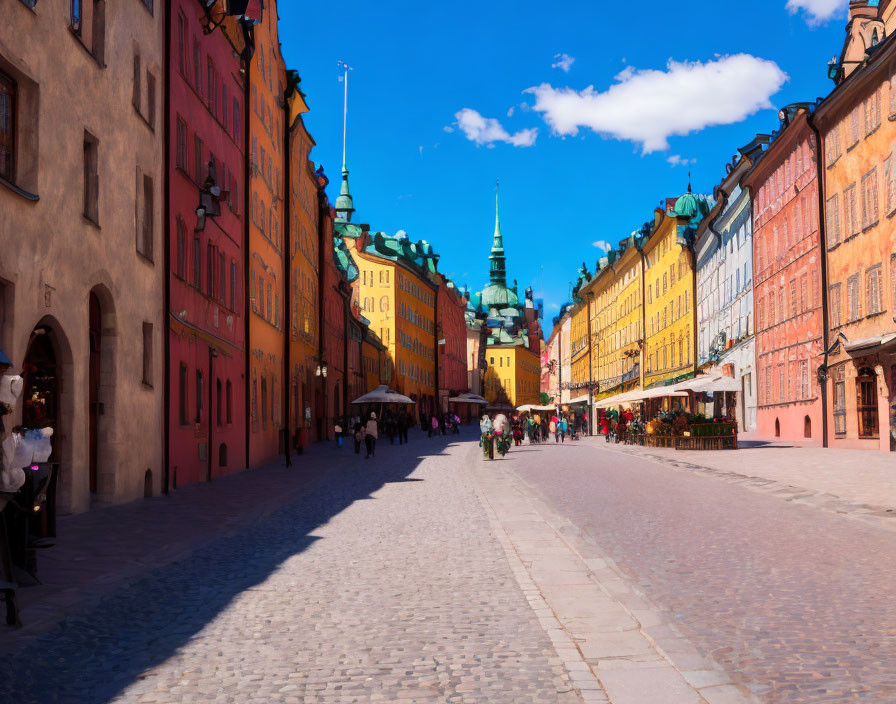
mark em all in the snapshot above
pixel 498 273
pixel 344 204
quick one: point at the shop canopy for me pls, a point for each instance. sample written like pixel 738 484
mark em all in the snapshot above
pixel 639 395
pixel 708 383
pixel 578 399
pixel 532 407
pixel 383 394
pixel 468 398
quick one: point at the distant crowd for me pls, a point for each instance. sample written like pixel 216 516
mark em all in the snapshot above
pixel 365 428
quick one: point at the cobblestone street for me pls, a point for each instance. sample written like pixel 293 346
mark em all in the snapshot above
pixel 382 582
pixel 794 601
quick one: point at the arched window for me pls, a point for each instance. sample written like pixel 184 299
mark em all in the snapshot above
pixel 777 428
pixel 222 455
pixel 229 402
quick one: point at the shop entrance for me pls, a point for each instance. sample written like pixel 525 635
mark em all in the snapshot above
pixel 41 385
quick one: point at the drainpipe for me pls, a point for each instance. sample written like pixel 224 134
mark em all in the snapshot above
pixel 435 325
pixel 346 328
pixel 823 258
pixel 247 204
pixel 166 210
pixel 287 293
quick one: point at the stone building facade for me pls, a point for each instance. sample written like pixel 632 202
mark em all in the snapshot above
pixel 82 269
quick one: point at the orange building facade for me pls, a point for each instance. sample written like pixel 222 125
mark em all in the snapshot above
pixel 859 133
pixel 266 241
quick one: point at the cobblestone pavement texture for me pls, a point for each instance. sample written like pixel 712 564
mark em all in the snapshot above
pixel 797 604
pixel 858 482
pixel 381 582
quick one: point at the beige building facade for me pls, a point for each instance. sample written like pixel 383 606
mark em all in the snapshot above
pixel 82 264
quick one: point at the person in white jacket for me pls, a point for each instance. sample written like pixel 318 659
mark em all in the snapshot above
pixel 370 436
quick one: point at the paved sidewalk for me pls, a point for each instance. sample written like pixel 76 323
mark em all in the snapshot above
pixel 858 483
pixel 618 646
pixel 365 581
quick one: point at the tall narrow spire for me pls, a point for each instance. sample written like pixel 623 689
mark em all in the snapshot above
pixel 344 204
pixel 497 270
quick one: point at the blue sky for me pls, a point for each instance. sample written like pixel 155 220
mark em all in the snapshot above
pixel 575 167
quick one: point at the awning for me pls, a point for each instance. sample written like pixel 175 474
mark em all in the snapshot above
pixel 658 392
pixel 383 394
pixel 579 399
pixel 532 407
pixel 708 383
pixel 468 398
pixel 618 399
pixel 869 342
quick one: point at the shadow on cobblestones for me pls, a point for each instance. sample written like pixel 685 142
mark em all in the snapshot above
pixel 117 639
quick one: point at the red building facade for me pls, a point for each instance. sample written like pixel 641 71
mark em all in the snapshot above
pixel 206 339
pixel 452 341
pixel 787 275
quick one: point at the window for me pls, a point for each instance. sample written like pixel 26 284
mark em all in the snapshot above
pixel 99 30
pixel 872 290
pixel 135 93
pixel 76 14
pixel 150 99
pixel 219 403
pixel 197 159
pixel 782 389
pixel 793 298
pixel 854 127
pixel 833 146
pixel 7 127
pixel 832 214
pixel 197 68
pixel 211 86
pixel 839 379
pixel 866 403
pixel 181 261
pixel 237 133
pixel 869 199
pixel 181 145
pixel 147 354
pixel 181 45
pixel 264 402
pixel 853 305
pixel 198 418
pixel 182 394
pixel 222 279
pixel 872 112
pixel 197 261
pixel 145 221
pixel 804 379
pixel 229 402
pixel 804 293
pixel 232 286
pixel 850 212
pixel 209 270
pixel 91 178
pixel 835 306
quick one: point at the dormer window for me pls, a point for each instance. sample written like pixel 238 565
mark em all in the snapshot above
pixel 875 40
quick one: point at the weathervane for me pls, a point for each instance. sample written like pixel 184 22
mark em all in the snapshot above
pixel 345 69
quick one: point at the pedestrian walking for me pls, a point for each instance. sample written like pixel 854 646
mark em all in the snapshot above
pixel 359 437
pixel 338 430
pixel 486 438
pixel 404 423
pixel 370 436
pixel 564 426
pixel 552 428
pixel 433 426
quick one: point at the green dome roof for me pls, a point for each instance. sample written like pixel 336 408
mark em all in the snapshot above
pixel 692 207
pixel 497 296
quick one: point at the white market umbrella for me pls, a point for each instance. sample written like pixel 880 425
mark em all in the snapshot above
pixel 468 398
pixel 383 394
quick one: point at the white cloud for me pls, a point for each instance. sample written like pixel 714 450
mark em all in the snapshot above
pixel 602 244
pixel 487 130
pixel 448 128
pixel 510 111
pixel 678 160
pixel 648 106
pixel 552 306
pixel 563 62
pixel 817 11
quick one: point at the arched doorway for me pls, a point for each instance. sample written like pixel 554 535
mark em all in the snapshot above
pixel 93 386
pixel 807 427
pixel 41 385
pixel 777 428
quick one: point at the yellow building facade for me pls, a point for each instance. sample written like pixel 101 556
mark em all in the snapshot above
pixel 670 324
pixel 400 305
pixel 617 319
pixel 579 350
pixel 513 375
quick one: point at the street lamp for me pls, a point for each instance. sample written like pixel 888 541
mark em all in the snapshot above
pixel 321 370
pixel 210 196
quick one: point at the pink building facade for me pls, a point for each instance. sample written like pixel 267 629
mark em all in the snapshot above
pixel 207 330
pixel 787 275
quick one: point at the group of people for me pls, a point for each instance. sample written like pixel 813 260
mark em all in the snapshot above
pixel 444 423
pixel 614 426
pixel 537 428
pixel 365 428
